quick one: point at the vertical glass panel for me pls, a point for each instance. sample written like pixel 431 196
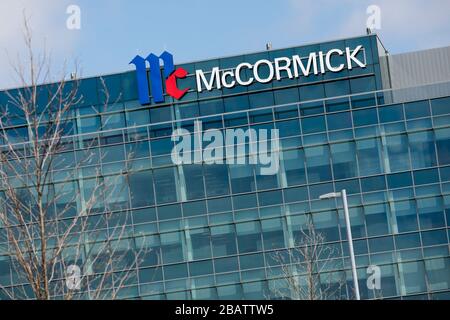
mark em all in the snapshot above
pixel 377 219
pixel 406 215
pixel 369 156
pixel 398 155
pixel 172 247
pixel 201 246
pixel 242 178
pixel 391 113
pixel 249 237
pixel 223 240
pixel 431 213
pixel 313 124
pixel 438 274
pixel 365 117
pixel 443 145
pixel 423 151
pixel 343 156
pixel 318 164
pixel 216 180
pixel 412 277
pixel 166 190
pixel 418 109
pixel 273 234
pixel 294 166
pixel 337 121
pixel 326 223
pixel 193 176
pixel 141 189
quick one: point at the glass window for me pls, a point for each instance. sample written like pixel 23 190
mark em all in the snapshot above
pixel 381 244
pixel 226 264
pixel 161 114
pixel 216 180
pixel 188 110
pixel 377 219
pixel 337 88
pixel 263 99
pixel 318 164
pixel 113 121
pixel 443 146
pixel 172 247
pixel 437 273
pixel 249 237
pixel 423 151
pixel 365 117
pixel 219 205
pixel 193 176
pixel 399 180
pixel 169 212
pixel 406 215
pixel 413 277
pixel 236 103
pixel 288 128
pixel 343 156
pixel 339 104
pixel 251 261
pixel 242 178
pixel 166 187
pixel 440 106
pixel 364 84
pixel 177 271
pixel 312 92
pixel 161 146
pixel 431 213
pixel 201 268
pixel 434 238
pixel 373 184
pixel 141 189
pixel 5 279
pixel 313 124
pixel 356 221
pixel 294 166
pixel 209 107
pixel 273 234
pixel 426 176
pixel 418 109
pixel 398 155
pixel 149 275
pixel 391 113
pixel 407 241
pixel 369 156
pixel 339 121
pixel 223 239
pixel 311 108
pixel 196 208
pixel 201 246
pixel 326 224
pixel 137 150
pixel 90 124
pixel 138 118
pixel 286 96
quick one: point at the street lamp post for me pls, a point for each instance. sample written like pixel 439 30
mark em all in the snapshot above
pixel 343 194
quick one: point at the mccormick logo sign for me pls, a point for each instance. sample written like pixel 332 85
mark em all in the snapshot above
pixel 263 71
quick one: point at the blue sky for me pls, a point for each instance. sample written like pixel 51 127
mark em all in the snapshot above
pixel 113 31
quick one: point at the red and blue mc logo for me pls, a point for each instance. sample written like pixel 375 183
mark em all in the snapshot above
pixel 170 76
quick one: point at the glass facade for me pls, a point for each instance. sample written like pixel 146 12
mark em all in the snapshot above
pixel 213 229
